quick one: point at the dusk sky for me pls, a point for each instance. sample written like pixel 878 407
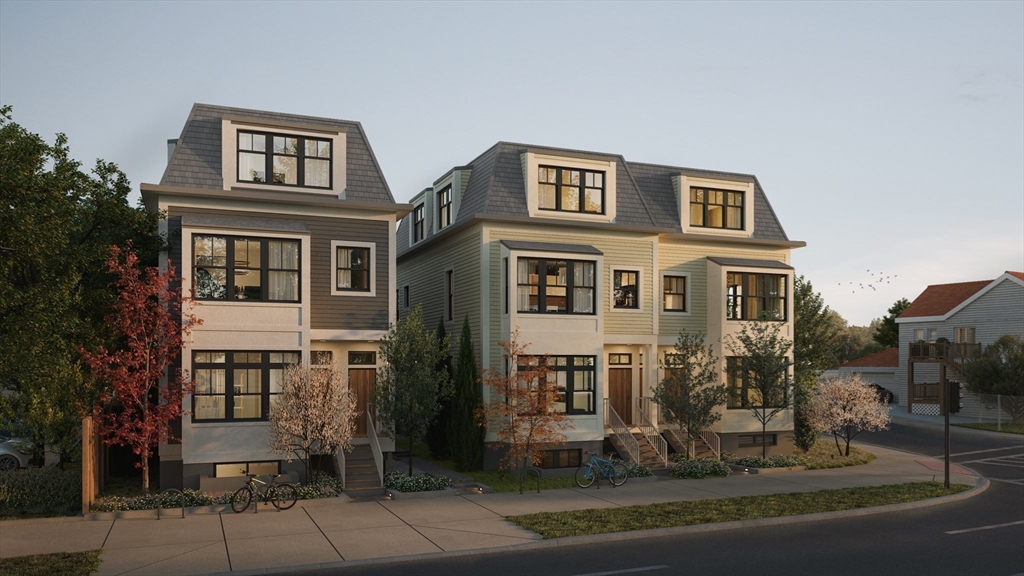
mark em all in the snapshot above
pixel 888 136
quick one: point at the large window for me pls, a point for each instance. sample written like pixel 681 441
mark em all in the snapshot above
pixel 742 390
pixel 288 160
pixel 575 379
pixel 245 268
pixel 237 386
pixel 555 286
pixel 674 293
pixel 444 207
pixel 570 190
pixel 626 291
pixel 716 208
pixel 755 296
pixel 417 223
pixel 353 269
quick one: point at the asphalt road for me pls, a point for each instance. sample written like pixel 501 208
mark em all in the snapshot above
pixel 980 536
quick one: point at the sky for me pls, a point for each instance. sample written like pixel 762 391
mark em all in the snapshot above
pixel 888 136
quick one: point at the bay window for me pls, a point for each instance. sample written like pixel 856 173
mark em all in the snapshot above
pixel 245 268
pixel 755 296
pixel 555 286
pixel 575 380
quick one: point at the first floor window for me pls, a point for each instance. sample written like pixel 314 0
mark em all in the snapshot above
pixel 565 458
pixel 674 293
pixel 575 381
pixel 744 391
pixel 555 286
pixel 626 290
pixel 755 296
pixel 965 335
pixel 353 273
pixel 747 440
pixel 236 386
pixel 245 268
pixel 243 468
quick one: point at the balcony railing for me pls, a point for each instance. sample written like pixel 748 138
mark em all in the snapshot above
pixel 927 393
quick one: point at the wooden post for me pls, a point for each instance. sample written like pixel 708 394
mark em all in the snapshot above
pixel 88 464
pixel 910 385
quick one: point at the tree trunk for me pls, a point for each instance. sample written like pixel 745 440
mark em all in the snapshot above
pixel 410 455
pixel 847 440
pixel 838 449
pixel 145 472
pixel 764 435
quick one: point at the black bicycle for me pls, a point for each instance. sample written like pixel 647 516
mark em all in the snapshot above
pixel 283 496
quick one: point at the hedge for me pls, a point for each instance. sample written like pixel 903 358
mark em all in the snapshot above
pixel 40 492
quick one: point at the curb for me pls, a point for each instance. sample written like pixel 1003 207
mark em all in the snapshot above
pixel 981 485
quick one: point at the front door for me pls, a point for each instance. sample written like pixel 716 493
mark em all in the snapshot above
pixel 620 391
pixel 360 381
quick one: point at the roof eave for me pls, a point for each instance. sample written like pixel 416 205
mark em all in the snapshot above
pixel 150 192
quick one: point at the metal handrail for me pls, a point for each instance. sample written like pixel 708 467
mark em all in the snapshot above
pixel 341 467
pixel 160 501
pixel 713 440
pixel 621 432
pixel 536 472
pixel 371 433
pixel 649 430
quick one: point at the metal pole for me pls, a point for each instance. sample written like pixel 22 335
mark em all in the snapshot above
pixel 946 387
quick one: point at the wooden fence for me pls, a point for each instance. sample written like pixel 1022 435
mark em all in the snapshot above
pixel 94 464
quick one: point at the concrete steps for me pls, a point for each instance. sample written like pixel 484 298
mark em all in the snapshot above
pixel 361 478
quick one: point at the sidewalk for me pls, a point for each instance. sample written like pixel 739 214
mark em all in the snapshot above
pixel 338 531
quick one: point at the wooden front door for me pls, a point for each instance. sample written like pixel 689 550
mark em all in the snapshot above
pixel 620 391
pixel 360 380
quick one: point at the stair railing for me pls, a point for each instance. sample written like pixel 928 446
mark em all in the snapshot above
pixel 621 432
pixel 341 466
pixel 713 440
pixel 371 432
pixel 649 430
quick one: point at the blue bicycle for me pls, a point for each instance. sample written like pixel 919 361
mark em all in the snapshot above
pixel 612 470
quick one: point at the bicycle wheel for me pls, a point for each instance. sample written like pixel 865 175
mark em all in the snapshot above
pixel 284 496
pixel 620 474
pixel 585 476
pixel 241 498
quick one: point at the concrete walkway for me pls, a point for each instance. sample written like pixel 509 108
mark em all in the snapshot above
pixel 338 531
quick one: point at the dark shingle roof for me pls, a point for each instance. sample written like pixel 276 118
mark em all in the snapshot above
pixel 550 247
pixel 196 160
pixel 750 263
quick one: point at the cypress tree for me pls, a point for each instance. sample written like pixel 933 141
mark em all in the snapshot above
pixel 467 436
pixel 437 434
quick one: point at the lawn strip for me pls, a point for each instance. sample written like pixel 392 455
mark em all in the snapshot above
pixel 506 482
pixel 824 455
pixel 994 427
pixel 59 564
pixel 671 514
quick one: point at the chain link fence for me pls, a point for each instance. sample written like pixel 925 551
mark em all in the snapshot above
pixel 995 410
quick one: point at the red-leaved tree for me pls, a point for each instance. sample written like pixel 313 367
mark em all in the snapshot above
pixel 151 319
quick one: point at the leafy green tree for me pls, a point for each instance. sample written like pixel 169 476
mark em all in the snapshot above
pixel 1000 370
pixel 764 354
pixel 691 391
pixel 888 332
pixel 409 390
pixel 467 435
pixel 438 433
pixel 815 345
pixel 56 228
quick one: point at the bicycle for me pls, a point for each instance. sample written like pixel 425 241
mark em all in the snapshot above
pixel 282 496
pixel 613 470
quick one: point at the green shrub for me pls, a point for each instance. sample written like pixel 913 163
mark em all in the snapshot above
pixel 638 470
pixel 325 487
pixel 775 461
pixel 40 492
pixel 699 468
pixel 402 482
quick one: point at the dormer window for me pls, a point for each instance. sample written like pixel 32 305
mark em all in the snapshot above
pixel 570 190
pixel 716 209
pixel 444 207
pixel 281 159
pixel 417 223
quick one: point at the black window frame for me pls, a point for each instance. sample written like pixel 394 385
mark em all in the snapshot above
pixel 754 440
pixel 737 384
pixel 618 290
pixel 736 301
pixel 417 223
pixel 449 295
pixel 550 459
pixel 231 266
pixel 367 269
pixel 300 158
pixel 570 286
pixel 247 466
pixel 229 367
pixel 444 207
pixel 582 194
pixel 355 360
pixel 616 359
pixel 570 367
pixel 665 292
pixel 705 202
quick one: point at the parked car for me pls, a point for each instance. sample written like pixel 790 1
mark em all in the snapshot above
pixel 14 453
pixel 884 395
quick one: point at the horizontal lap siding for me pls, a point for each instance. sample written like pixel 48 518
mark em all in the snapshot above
pixel 327 311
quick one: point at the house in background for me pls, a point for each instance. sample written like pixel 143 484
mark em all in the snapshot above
pixel 600 263
pixel 878 368
pixel 967 316
pixel 283 227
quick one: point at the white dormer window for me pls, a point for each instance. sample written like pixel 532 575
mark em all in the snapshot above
pixel 569 187
pixel 570 190
pixel 269 158
pixel 716 208
pixel 417 223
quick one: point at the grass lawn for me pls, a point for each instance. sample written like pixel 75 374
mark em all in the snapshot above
pixel 60 564
pixel 669 514
pixel 993 427
pixel 824 455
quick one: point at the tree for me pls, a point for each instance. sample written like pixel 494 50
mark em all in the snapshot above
pixel 134 410
pixel 763 366
pixel 844 407
pixel 1000 370
pixel 888 332
pixel 690 393
pixel 439 432
pixel 56 229
pixel 522 407
pixel 815 345
pixel 467 435
pixel 409 390
pixel 315 414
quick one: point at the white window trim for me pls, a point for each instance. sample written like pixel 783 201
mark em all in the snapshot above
pixel 683 184
pixel 229 157
pixel 335 244
pixel 531 163
pixel 639 290
pixel 687 296
pixel 449 292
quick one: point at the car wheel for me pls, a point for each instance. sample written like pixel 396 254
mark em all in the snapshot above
pixel 888 398
pixel 8 463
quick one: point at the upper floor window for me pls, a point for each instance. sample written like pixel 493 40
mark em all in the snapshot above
pixel 555 286
pixel 570 190
pixel 417 223
pixel 245 268
pixel 674 293
pixel 444 207
pixel 353 272
pixel 575 379
pixel 716 208
pixel 626 291
pixel 925 335
pixel 237 385
pixel 755 296
pixel 281 159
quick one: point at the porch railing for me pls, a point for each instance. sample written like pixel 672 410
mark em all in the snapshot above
pixel 927 393
pixel 648 429
pixel 713 440
pixel 647 406
pixel 621 432
pixel 371 433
